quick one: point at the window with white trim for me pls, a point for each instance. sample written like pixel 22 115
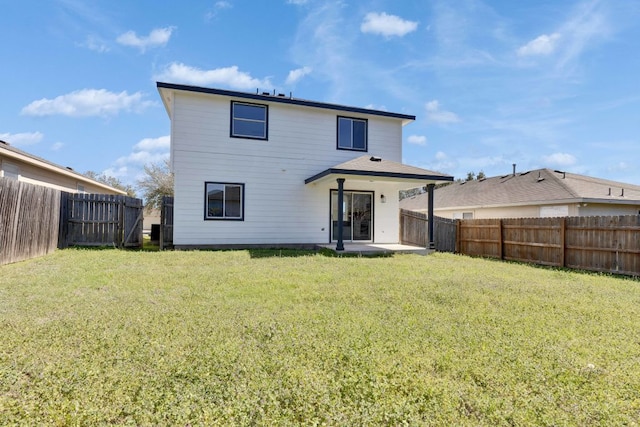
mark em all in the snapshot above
pixel 10 171
pixel 249 120
pixel 224 200
pixel 352 134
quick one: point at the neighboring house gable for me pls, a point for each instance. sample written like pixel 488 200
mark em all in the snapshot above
pixel 22 166
pixel 261 169
pixel 537 193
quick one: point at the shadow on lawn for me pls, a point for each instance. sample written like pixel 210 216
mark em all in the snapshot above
pixel 295 253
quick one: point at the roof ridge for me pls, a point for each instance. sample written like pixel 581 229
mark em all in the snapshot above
pixel 560 181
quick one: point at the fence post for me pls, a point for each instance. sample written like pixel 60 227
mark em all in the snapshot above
pixel 120 234
pixel 500 240
pixel 458 230
pixel 563 239
pixel 63 229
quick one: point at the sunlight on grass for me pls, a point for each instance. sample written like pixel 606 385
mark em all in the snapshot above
pixel 219 338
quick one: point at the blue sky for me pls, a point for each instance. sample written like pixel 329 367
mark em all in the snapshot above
pixel 540 83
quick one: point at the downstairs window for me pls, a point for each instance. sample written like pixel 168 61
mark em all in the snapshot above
pixel 224 201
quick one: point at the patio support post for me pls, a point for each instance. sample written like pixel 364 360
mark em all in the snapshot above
pixel 430 188
pixel 340 245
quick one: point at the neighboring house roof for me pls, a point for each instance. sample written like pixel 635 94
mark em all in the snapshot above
pixel 13 153
pixel 540 186
pixel 280 98
pixel 372 166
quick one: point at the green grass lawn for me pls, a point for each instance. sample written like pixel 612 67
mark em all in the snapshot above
pixel 91 337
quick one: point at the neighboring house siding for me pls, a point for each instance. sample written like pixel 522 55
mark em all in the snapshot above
pixel 515 212
pixel 279 207
pixel 38 176
pixel 592 209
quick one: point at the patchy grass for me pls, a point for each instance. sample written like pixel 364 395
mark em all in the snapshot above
pixel 295 338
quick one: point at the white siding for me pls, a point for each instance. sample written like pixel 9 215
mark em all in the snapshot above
pixel 279 207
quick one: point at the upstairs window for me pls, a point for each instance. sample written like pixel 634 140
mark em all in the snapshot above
pixel 352 134
pixel 224 201
pixel 249 120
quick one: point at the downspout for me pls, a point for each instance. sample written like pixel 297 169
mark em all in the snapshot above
pixel 340 245
pixel 430 188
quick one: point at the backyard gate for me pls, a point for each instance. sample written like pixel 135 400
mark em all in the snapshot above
pixel 166 222
pixel 100 220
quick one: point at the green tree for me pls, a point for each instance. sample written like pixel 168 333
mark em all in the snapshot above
pixel 157 183
pixel 111 181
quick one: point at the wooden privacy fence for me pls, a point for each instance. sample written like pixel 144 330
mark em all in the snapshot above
pixel 100 220
pixel 29 216
pixel 605 244
pixel 414 230
pixel 166 222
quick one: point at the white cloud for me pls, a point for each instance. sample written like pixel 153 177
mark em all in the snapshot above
pixel 57 146
pixel 298 2
pixel 295 75
pixel 217 7
pixel 22 139
pixel 435 114
pixel 560 159
pixel 376 107
pixel 88 102
pixel 417 139
pixel 586 27
pixel 153 144
pixel 129 168
pixel 442 163
pixel 227 76
pixel 543 45
pixel 386 25
pixel 119 172
pixel 157 37
pixel 147 150
pixel 96 44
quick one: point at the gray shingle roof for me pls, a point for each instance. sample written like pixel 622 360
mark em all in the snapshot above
pixel 375 166
pixel 540 186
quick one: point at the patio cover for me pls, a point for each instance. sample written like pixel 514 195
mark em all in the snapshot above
pixel 372 168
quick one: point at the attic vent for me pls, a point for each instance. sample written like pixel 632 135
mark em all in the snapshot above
pixel 524 173
pixel 70 168
pixel 266 93
pixel 4 142
pixel 540 178
pixel 375 159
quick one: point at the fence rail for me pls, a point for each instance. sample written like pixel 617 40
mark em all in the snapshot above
pixel 100 220
pixel 29 217
pixel 414 230
pixel 605 244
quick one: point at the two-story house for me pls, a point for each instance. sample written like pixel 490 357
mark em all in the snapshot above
pixel 262 169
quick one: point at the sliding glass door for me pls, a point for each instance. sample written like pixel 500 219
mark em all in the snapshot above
pixel 357 216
